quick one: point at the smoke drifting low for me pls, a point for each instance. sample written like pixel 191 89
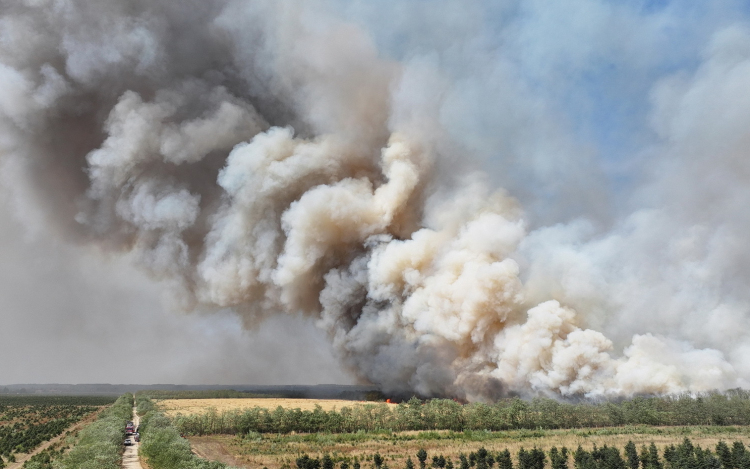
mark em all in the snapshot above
pixel 270 158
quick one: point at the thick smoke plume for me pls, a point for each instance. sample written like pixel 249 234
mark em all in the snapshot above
pixel 269 158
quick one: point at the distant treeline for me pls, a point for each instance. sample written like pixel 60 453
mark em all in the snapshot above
pixel 731 408
pixel 11 400
pixel 683 456
pixel 204 394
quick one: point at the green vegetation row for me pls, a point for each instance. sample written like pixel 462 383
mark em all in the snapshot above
pixel 731 408
pixel 45 459
pixel 683 456
pixel 161 443
pixel 99 445
pixel 21 417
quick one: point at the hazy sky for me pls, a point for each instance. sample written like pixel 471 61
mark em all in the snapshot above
pixel 68 315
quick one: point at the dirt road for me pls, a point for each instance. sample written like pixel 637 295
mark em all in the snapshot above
pixel 130 459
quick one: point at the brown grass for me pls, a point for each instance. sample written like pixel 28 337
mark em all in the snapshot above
pixel 172 407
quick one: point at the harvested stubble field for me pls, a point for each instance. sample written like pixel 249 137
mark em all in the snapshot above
pixel 172 407
pixel 279 451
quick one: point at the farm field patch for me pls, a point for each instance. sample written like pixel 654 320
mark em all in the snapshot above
pixel 278 451
pixel 28 421
pixel 672 432
pixel 172 407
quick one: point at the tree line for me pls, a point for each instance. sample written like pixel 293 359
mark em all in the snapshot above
pixel 682 456
pixel 206 394
pixel 731 408
pixel 49 400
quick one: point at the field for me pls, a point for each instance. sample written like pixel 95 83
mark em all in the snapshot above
pixel 172 407
pixel 276 450
pixel 26 422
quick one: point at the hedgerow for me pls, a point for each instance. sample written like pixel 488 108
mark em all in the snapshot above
pixel 716 409
pixel 162 445
pixel 100 443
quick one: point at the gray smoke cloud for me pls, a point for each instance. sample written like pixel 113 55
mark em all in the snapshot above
pixel 278 158
pixel 67 315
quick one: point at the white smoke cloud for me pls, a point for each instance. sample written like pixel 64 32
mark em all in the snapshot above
pixel 278 159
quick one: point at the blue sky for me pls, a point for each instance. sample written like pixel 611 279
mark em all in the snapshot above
pixel 592 66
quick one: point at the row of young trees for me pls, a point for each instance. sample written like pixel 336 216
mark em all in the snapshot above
pixel 42 412
pixel 682 456
pixel 25 440
pixel 46 459
pixel 731 408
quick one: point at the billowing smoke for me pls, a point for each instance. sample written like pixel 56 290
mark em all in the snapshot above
pixel 274 158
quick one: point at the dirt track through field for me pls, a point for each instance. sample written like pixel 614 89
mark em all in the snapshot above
pixel 131 459
pixel 214 450
pixel 22 458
